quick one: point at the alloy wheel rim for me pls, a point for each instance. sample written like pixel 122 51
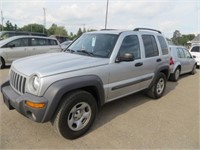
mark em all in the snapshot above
pixel 177 73
pixel 160 86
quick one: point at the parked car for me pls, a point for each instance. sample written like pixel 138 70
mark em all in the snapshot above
pixel 65 44
pixel 69 88
pixel 22 46
pixel 195 51
pixel 181 62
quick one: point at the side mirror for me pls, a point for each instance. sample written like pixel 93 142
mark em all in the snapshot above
pixel 194 56
pixel 125 57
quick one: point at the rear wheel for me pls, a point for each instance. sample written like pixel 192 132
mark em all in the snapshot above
pixel 2 63
pixel 175 75
pixel 194 69
pixel 75 115
pixel 158 88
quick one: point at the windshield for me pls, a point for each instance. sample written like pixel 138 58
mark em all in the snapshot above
pixel 97 45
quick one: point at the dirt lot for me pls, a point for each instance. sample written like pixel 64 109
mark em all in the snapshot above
pixel 132 122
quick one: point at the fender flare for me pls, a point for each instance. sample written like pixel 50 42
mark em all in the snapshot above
pixel 58 89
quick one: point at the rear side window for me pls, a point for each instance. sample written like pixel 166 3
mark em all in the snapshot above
pixel 195 49
pixel 52 42
pixel 163 45
pixel 150 45
pixel 39 42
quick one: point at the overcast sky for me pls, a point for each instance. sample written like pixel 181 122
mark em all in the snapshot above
pixel 164 15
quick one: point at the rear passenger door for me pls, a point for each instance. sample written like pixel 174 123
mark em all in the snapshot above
pixel 152 59
pixel 42 45
pixel 38 46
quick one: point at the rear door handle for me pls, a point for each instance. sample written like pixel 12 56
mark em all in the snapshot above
pixel 158 60
pixel 138 64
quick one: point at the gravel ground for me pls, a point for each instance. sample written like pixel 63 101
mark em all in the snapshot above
pixel 133 122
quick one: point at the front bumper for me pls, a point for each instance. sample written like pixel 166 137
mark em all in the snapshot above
pixel 15 101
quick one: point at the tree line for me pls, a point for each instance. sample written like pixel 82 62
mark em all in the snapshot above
pixel 177 39
pixel 53 30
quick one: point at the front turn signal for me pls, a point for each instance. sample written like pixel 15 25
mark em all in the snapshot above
pixel 35 105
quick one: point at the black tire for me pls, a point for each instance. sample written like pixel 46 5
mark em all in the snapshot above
pixel 194 69
pixel 158 88
pixel 2 63
pixel 70 114
pixel 175 76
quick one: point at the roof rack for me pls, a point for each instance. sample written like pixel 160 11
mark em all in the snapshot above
pixel 137 29
pixel 107 29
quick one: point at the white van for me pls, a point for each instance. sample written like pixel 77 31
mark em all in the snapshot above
pixel 22 46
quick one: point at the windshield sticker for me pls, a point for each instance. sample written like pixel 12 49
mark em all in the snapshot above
pixel 93 41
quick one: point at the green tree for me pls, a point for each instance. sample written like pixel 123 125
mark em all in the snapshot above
pixel 9 26
pixel 80 32
pixel 179 39
pixel 57 30
pixel 84 30
pixel 34 28
pixel 176 37
pixel 52 29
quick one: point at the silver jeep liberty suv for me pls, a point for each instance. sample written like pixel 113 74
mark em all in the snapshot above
pixel 68 88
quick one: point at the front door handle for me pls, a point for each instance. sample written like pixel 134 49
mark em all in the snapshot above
pixel 158 60
pixel 138 64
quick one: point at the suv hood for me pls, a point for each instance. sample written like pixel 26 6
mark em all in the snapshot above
pixel 53 63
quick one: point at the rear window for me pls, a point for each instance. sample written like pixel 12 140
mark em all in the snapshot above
pixel 163 45
pixel 150 45
pixel 39 42
pixel 52 42
pixel 195 49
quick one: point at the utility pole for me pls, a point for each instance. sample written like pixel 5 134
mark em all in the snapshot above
pixel 2 20
pixel 44 26
pixel 106 14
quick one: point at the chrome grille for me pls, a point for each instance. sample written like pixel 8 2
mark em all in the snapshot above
pixel 17 82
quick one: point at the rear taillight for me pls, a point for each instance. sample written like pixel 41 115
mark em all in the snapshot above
pixel 171 61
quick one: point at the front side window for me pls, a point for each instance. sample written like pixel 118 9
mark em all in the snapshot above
pixel 181 53
pixel 187 54
pixel 18 43
pixel 97 45
pixel 130 44
pixel 150 45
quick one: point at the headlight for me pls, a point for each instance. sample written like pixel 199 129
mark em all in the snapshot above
pixel 34 83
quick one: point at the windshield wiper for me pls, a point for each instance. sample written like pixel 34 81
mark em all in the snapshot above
pixel 69 50
pixel 86 52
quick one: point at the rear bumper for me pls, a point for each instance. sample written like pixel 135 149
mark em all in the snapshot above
pixel 15 101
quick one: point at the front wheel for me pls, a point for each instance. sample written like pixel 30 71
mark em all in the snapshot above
pixel 75 115
pixel 194 69
pixel 158 88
